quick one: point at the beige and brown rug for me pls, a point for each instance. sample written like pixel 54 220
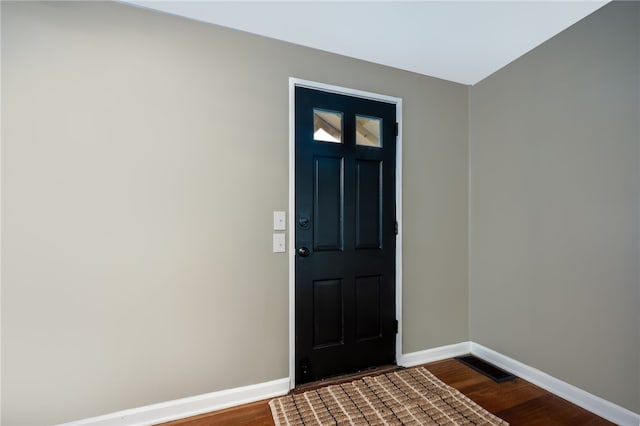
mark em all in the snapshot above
pixel 412 396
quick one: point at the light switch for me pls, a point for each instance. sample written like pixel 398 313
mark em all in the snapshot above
pixel 278 243
pixel 279 221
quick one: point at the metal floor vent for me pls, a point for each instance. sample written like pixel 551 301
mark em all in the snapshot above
pixel 485 368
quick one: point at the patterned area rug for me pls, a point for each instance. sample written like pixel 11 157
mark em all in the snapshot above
pixel 412 396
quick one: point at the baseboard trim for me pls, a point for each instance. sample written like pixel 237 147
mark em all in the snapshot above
pixel 187 407
pixel 200 404
pixel 595 404
pixel 436 354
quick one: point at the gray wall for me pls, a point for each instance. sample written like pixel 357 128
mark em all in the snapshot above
pixel 142 156
pixel 554 207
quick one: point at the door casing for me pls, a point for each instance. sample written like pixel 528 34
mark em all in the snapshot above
pixel 293 83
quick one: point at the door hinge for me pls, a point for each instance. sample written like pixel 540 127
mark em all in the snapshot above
pixel 395 227
pixel 396 129
pixel 395 326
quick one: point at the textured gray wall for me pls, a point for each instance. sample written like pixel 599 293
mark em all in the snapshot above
pixel 142 156
pixel 554 207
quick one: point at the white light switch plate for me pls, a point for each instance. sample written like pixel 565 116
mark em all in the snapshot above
pixel 278 243
pixel 279 221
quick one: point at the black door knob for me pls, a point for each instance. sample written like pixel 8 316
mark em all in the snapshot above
pixel 303 252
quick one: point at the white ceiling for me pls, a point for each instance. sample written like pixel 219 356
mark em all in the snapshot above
pixel 461 41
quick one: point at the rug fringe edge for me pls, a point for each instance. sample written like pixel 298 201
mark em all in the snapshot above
pixel 274 414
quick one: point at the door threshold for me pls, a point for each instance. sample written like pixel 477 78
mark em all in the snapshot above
pixel 345 378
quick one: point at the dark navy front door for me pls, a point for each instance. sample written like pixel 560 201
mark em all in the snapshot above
pixel 345 159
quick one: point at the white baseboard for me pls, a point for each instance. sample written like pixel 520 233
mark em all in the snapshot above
pixel 192 406
pixel 187 407
pixel 435 354
pixel 595 404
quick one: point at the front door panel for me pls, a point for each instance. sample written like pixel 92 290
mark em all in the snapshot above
pixel 345 238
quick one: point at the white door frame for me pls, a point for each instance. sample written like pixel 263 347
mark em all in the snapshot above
pixel 293 83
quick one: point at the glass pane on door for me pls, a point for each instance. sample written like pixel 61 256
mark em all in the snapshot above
pixel 327 126
pixel 368 131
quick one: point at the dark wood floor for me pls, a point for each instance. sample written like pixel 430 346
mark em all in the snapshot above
pixel 518 402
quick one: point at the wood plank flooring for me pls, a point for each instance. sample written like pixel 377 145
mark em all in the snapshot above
pixel 518 402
